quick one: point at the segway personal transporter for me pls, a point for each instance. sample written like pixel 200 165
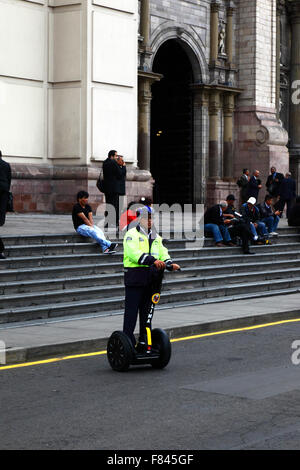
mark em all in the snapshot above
pixel 121 353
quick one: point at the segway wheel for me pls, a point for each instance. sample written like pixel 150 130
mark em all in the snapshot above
pixel 161 342
pixel 119 351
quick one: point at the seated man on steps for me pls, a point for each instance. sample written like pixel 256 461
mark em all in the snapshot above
pixel 214 223
pixel 250 214
pixel 236 225
pixel 82 216
pixel 269 216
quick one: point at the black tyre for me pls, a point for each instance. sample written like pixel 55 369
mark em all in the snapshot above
pixel 119 351
pixel 161 342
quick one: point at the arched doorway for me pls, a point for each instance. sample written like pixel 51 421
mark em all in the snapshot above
pixel 172 126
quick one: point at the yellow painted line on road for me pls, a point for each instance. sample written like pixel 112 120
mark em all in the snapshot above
pixel 235 330
pixel 174 340
pixel 54 359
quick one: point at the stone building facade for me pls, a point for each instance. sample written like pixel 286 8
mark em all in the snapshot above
pixel 189 91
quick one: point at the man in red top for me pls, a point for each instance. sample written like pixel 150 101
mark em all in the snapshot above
pixel 130 214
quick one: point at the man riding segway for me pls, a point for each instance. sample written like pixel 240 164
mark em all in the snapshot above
pixel 145 259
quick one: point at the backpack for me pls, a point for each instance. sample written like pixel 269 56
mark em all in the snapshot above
pixel 100 182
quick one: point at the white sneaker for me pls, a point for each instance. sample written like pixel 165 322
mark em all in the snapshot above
pixel 273 234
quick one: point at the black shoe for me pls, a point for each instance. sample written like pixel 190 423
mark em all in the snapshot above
pixel 2 256
pixel 249 253
pixel 111 249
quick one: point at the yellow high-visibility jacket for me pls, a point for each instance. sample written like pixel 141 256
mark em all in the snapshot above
pixel 140 253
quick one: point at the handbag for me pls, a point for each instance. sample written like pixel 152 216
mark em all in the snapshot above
pixel 100 182
pixel 10 203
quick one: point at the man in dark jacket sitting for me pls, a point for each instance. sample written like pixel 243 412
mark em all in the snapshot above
pixel 250 214
pixel 214 223
pixel 268 216
pixel 236 225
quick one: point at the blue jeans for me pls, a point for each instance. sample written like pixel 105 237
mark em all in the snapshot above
pixel 261 229
pixel 220 232
pixel 95 233
pixel 271 222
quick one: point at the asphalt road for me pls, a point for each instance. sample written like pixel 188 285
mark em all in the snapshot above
pixel 230 391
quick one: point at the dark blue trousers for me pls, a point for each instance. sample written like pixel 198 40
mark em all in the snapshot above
pixel 136 301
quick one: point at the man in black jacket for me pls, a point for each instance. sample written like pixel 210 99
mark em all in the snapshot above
pixel 114 174
pixel 214 223
pixel 122 181
pixel 287 194
pixel 273 184
pixel 5 182
pixel 294 214
pixel 243 183
pixel 254 185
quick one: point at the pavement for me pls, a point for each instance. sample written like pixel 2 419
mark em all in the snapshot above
pixel 32 341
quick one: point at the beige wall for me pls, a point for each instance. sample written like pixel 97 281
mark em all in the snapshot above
pixel 256 57
pixel 68 69
pixel 114 78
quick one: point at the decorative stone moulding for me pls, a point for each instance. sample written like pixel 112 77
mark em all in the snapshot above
pixel 271 135
pixel 138 175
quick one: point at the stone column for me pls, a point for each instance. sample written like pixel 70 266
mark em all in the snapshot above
pixel 144 47
pixel 214 157
pixel 279 10
pixel 201 123
pixel 229 35
pixel 228 135
pixel 214 32
pixel 144 103
pixel 295 75
pixel 278 41
pixel 145 23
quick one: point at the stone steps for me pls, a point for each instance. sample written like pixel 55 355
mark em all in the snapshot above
pixel 190 266
pixel 97 304
pixel 79 255
pixel 66 275
pixel 30 291
pixel 69 247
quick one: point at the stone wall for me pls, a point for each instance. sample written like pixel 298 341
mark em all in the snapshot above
pixel 260 140
pixel 68 94
pixel 47 189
